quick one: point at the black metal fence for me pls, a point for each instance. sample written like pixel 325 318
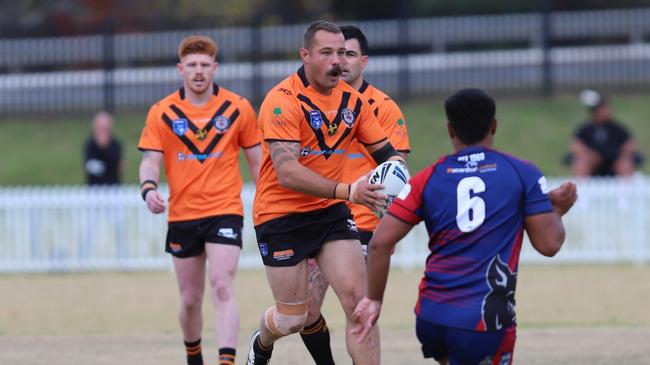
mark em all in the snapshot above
pixel 516 53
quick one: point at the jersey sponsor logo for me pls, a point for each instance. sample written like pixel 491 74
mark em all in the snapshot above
pixel 264 249
pixel 473 157
pixel 179 126
pixel 285 91
pixel 180 156
pixel 175 246
pixel 279 122
pixel 326 153
pixel 277 117
pixel 315 119
pixel 470 167
pixel 304 152
pixel 488 167
pixel 222 123
pixel 227 233
pixel 543 185
pixel 348 116
pixel 498 307
pixel 283 255
pixel 400 122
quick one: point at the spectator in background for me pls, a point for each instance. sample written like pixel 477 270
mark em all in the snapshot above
pixel 602 146
pixel 103 152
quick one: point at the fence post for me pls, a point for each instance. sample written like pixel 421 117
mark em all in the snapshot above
pixel 404 77
pixel 644 198
pixel 256 57
pixel 108 54
pixel 547 65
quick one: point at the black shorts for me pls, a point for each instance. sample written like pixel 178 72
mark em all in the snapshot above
pixel 188 238
pixel 364 237
pixel 287 240
pixel 461 346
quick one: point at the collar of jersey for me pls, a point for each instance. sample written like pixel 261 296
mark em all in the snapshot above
pixel 364 86
pixel 215 91
pixel 470 149
pixel 303 76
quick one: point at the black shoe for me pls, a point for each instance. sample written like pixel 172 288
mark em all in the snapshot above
pixel 253 357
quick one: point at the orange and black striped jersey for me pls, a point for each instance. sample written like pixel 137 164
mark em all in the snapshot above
pixel 201 149
pixel 324 125
pixel 360 162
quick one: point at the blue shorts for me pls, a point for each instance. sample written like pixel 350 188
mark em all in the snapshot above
pixel 466 347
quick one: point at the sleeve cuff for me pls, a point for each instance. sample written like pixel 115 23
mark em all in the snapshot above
pixel 404 214
pixel 539 207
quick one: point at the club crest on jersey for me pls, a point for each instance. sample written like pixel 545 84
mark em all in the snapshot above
pixel 348 116
pixel 222 123
pixel 315 119
pixel 179 126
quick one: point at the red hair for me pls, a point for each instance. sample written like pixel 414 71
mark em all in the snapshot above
pixel 197 44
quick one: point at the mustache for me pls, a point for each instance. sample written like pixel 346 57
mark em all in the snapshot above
pixel 335 71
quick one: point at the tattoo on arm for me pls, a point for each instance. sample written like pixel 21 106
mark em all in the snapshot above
pixel 282 152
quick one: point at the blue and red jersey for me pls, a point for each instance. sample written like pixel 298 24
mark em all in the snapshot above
pixel 473 204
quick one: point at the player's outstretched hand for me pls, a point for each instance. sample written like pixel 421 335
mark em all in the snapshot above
pixel 563 197
pixel 362 192
pixel 365 315
pixel 155 202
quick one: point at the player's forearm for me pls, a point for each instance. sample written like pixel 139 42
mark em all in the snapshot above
pixel 398 157
pixel 149 170
pixel 378 265
pixel 254 157
pixel 546 232
pixel 297 177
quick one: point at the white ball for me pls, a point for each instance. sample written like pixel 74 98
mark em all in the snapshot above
pixel 393 175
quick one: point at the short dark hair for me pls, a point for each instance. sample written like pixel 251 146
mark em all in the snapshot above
pixel 308 37
pixel 352 32
pixel 470 113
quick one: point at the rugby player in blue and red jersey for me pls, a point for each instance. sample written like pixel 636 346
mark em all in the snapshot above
pixel 476 204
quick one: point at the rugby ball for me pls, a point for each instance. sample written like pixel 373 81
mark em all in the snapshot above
pixel 393 175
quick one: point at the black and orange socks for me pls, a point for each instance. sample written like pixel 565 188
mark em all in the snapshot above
pixel 316 337
pixel 193 351
pixel 226 356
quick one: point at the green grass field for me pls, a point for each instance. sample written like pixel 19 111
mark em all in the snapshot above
pixel 567 315
pixel 47 150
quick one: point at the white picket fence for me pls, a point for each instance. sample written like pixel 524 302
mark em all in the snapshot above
pixel 75 228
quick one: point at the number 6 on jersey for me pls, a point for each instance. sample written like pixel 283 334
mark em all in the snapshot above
pixel 470 207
